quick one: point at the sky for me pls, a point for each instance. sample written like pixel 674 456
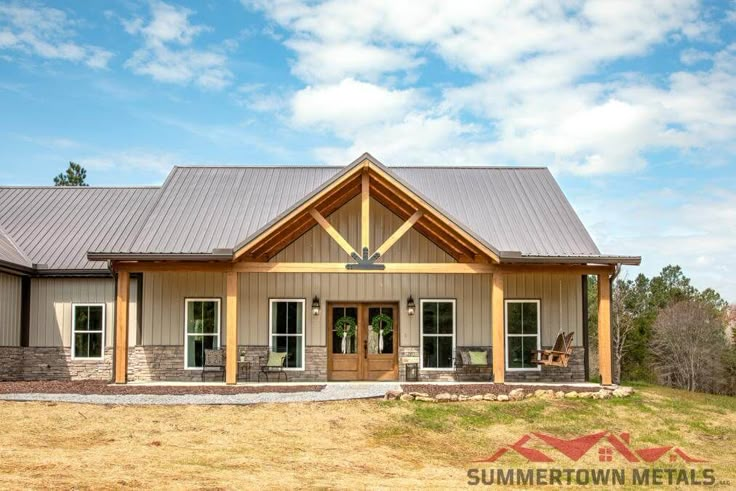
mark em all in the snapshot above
pixel 632 105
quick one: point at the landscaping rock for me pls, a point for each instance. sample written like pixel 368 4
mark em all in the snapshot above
pixel 503 398
pixel 392 395
pixel 544 394
pixel 424 399
pixel 623 392
pixel 516 394
pixel 463 397
pixel 603 394
pixel 559 394
pixel 406 397
pixel 419 394
pixel 489 397
pixel 476 398
pixel 444 397
pixel 571 395
pixel 453 397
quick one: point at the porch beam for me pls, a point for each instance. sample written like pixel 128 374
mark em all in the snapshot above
pixel 365 213
pixel 231 326
pixel 294 267
pixel 604 329
pixel 121 327
pixel 399 233
pixel 497 328
pixel 344 244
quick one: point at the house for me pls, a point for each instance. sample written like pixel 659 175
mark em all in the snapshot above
pixel 425 263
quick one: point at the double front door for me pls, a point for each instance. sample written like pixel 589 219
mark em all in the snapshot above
pixel 362 341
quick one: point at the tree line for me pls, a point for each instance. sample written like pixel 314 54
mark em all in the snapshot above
pixel 666 331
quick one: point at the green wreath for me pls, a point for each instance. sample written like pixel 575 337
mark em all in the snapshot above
pixel 346 324
pixel 378 320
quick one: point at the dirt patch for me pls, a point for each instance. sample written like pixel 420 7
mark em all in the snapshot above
pixel 96 387
pixel 476 389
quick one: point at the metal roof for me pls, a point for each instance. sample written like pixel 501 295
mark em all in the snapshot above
pixel 55 227
pixel 519 211
pixel 10 253
pixel 200 209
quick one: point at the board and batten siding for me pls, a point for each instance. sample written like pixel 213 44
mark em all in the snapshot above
pixel 51 308
pixel 561 301
pixel 164 297
pixel 10 295
pixel 317 246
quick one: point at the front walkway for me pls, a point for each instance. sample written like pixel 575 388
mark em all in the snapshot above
pixel 334 391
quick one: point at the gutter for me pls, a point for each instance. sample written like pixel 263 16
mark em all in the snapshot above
pixel 215 255
pixel 516 257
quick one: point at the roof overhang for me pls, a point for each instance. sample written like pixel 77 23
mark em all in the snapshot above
pixel 518 258
pixel 216 255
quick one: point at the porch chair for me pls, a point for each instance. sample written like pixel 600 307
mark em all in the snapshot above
pixel 558 356
pixel 472 361
pixel 273 362
pixel 214 358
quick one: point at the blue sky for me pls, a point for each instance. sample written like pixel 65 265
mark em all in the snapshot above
pixel 632 105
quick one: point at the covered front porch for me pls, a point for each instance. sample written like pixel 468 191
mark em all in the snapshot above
pixel 438 291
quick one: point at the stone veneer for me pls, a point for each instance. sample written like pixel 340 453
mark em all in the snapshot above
pixel 574 372
pixel 55 363
pixel 11 363
pixel 166 363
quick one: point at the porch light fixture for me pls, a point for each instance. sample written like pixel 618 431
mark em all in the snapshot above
pixel 315 305
pixel 410 305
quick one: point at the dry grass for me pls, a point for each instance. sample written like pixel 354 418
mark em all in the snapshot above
pixel 342 444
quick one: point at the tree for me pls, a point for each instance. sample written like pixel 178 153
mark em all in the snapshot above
pixel 75 175
pixel 689 346
pixel 629 306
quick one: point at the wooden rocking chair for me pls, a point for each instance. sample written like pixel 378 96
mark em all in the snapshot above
pixel 558 356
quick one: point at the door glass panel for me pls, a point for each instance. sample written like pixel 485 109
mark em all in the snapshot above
pixel 380 340
pixel 348 342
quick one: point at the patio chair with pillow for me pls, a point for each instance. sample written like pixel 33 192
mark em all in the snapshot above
pixel 472 361
pixel 273 362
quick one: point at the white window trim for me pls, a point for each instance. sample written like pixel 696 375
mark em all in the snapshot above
pixel 302 301
pixel 506 331
pixel 422 301
pixel 74 330
pixel 186 324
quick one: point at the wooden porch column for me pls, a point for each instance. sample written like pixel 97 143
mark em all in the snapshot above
pixel 604 328
pixel 121 327
pixel 231 365
pixel 497 314
pixel 365 212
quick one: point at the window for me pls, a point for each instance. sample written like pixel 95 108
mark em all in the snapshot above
pixel 522 333
pixel 202 323
pixel 88 331
pixel 287 331
pixel 438 333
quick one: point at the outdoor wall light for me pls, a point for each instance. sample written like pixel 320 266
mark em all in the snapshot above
pixel 410 305
pixel 315 305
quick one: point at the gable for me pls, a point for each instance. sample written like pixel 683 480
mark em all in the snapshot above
pixel 317 246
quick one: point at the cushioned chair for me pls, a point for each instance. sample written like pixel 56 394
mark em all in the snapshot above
pixel 214 359
pixel 273 362
pixel 472 361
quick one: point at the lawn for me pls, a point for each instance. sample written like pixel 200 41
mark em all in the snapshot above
pixel 340 444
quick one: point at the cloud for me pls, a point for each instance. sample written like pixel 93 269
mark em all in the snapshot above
pixel 47 33
pixel 533 97
pixel 167 54
pixel 350 105
pixel 159 163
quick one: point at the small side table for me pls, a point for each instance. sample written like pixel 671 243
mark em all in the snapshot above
pixel 412 372
pixel 244 370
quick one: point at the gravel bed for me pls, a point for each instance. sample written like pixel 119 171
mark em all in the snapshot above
pixel 475 389
pixel 330 392
pixel 95 387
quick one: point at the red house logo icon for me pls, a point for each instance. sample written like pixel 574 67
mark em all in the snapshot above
pixel 575 448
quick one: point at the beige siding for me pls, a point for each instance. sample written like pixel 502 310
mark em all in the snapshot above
pixel 561 301
pixel 9 310
pixel 317 246
pixel 51 307
pixel 471 291
pixel 164 297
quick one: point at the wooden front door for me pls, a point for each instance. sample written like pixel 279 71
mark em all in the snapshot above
pixel 368 353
